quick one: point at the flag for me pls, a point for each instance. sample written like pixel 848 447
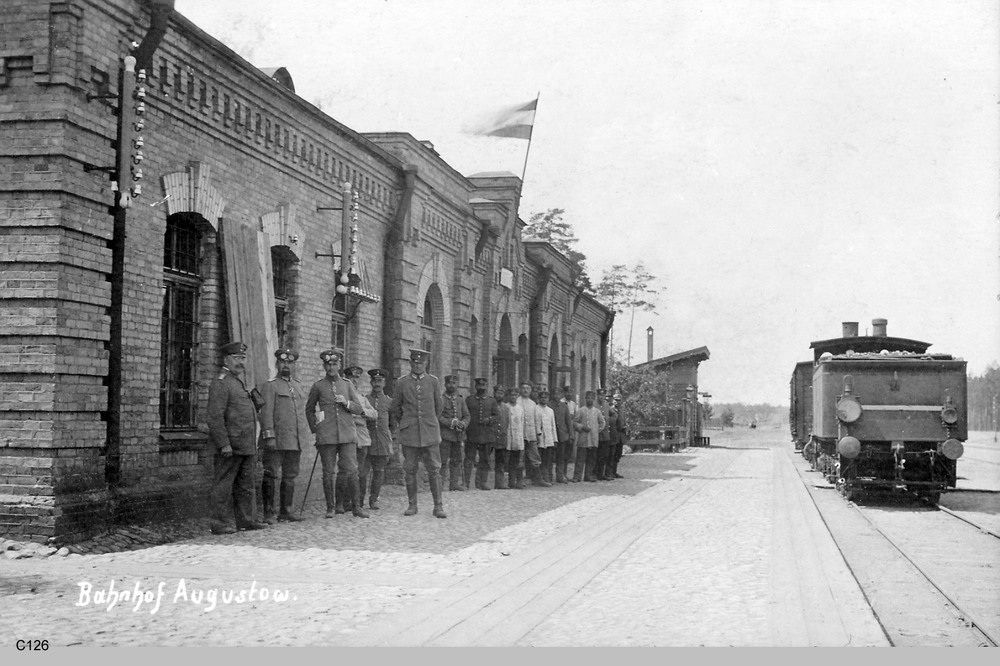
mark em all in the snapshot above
pixel 513 122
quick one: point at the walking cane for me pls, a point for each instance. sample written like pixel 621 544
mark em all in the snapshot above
pixel 304 497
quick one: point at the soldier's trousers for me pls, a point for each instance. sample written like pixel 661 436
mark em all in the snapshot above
pixel 373 469
pixel 451 459
pixel 342 458
pixel 287 461
pixel 603 466
pixel 564 451
pixel 532 459
pixel 471 451
pixel 233 484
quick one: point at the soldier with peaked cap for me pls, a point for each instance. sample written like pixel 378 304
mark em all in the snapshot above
pixel 381 434
pixel 481 435
pixel 532 433
pixel 232 427
pixel 588 423
pixel 500 452
pixel 619 434
pixel 353 498
pixel 547 436
pixel 416 406
pixel 284 431
pixel 454 419
pixel 515 439
pixel 336 436
pixel 564 433
pixel 601 466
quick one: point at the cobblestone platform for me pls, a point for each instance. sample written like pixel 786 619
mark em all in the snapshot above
pixel 694 548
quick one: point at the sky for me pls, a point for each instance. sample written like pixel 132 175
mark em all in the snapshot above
pixel 780 167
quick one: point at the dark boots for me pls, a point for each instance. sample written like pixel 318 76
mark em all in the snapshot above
pixel 354 492
pixel 468 475
pixel 362 487
pixel 455 476
pixel 267 496
pixel 330 493
pixel 435 483
pixel 287 492
pixel 411 495
pixel 377 477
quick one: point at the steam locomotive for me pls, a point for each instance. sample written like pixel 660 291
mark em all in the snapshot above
pixel 876 412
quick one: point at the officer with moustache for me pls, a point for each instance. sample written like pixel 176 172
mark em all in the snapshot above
pixel 284 430
pixel 416 406
pixel 232 427
pixel 336 437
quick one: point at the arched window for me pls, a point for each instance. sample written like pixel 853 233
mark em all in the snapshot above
pixel 505 354
pixel 554 363
pixel 522 359
pixel 430 325
pixel 583 380
pixel 594 379
pixel 179 321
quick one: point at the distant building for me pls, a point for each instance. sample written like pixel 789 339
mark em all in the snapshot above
pixel 254 205
pixel 681 370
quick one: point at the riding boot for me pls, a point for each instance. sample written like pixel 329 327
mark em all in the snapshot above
pixel 455 476
pixel 354 492
pixel 340 492
pixel 267 496
pixel 435 483
pixel 329 493
pixel 376 488
pixel 411 494
pixel 362 488
pixel 481 476
pixel 286 495
pixel 499 480
pixel 468 474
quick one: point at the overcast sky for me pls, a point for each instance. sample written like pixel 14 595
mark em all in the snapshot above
pixel 780 166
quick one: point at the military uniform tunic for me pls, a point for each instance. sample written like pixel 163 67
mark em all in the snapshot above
pixel 418 424
pixel 379 430
pixel 484 414
pixel 337 426
pixel 283 416
pixel 232 419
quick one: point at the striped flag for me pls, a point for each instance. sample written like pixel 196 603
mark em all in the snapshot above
pixel 513 122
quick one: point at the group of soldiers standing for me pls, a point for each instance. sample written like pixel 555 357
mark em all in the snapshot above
pixel 523 430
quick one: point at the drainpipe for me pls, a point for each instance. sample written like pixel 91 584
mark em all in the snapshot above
pixel 392 271
pixel 159 19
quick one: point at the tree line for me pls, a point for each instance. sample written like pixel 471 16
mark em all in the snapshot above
pixel 984 399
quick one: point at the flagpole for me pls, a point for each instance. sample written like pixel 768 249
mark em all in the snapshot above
pixel 531 130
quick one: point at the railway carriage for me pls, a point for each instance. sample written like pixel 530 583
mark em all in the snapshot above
pixel 886 414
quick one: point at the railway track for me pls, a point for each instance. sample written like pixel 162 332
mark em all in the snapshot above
pixel 904 547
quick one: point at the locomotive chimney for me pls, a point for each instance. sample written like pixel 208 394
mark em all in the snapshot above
pixel 649 344
pixel 850 329
pixel 878 327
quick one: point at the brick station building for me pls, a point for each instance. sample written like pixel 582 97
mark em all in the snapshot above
pixel 253 204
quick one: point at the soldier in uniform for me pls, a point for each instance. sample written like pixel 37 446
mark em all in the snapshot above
pixel 454 419
pixel 381 435
pixel 564 434
pixel 547 435
pixel 588 423
pixel 284 430
pixel 515 439
pixel 336 436
pixel 501 452
pixel 481 433
pixel 619 435
pixel 345 496
pixel 532 432
pixel 604 440
pixel 232 426
pixel 416 406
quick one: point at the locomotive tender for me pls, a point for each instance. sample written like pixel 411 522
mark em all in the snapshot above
pixel 885 414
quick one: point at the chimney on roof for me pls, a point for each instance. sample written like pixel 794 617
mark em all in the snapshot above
pixel 878 327
pixel 649 344
pixel 850 329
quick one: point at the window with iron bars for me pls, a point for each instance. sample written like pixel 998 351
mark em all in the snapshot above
pixel 179 322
